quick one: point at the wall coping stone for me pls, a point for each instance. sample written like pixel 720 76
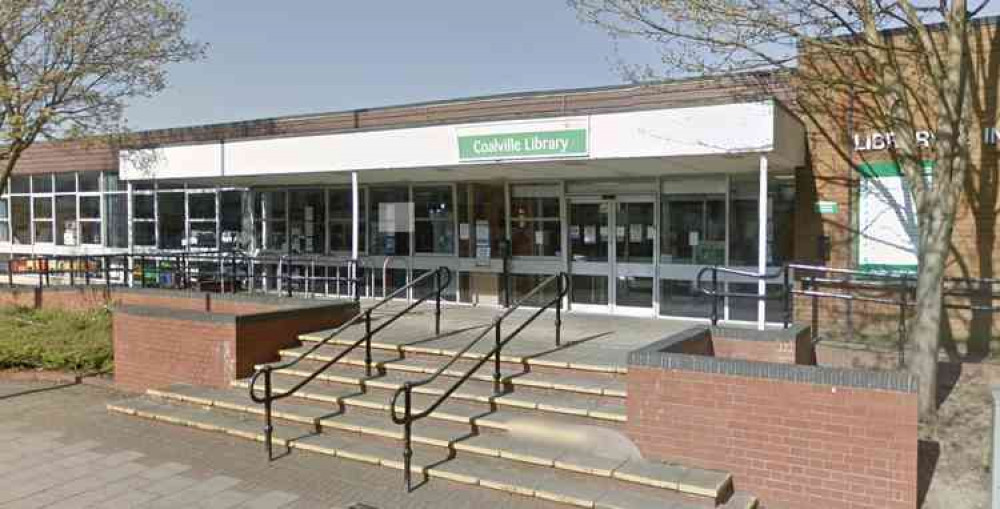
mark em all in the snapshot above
pixel 658 355
pixel 271 300
pixel 234 318
pixel 753 334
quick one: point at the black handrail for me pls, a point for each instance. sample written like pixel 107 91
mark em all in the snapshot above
pixel 408 418
pixel 269 397
pixel 717 295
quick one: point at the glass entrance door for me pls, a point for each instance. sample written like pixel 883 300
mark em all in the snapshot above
pixel 611 254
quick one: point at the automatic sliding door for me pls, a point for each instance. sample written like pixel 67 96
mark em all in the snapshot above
pixel 589 254
pixel 635 232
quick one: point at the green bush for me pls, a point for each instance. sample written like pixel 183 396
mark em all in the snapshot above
pixel 55 339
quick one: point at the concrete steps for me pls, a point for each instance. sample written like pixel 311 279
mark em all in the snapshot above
pixel 495 461
pixel 609 408
pixel 515 374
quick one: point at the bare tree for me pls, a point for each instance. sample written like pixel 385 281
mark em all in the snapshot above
pixel 68 67
pixel 903 65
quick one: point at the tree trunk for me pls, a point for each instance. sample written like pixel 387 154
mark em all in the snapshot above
pixel 925 329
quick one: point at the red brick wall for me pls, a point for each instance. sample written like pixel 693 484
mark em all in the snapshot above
pixel 258 341
pixel 157 351
pixel 792 444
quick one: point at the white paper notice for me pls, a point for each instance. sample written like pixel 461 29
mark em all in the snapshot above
pixel 694 238
pixel 540 238
pixel 635 233
pixel 620 233
pixel 463 231
pixel 590 234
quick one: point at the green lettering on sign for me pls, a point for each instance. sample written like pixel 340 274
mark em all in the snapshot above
pixel 827 207
pixel 565 143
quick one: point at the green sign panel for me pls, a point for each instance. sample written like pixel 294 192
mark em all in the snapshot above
pixel 564 143
pixel 827 207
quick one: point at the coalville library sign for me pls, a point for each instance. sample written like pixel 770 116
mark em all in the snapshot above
pixel 886 140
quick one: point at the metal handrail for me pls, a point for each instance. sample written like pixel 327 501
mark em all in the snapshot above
pixel 717 295
pixel 409 417
pixel 266 369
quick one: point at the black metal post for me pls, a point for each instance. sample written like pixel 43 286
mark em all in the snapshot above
pixel 788 298
pixel 86 273
pixel 268 426
pixel 107 271
pixel 559 297
pixel 72 275
pixel 496 358
pixel 407 425
pixel 47 280
pixel 437 303
pixel 715 296
pixel 142 271
pixel 41 277
pixel 815 310
pixel 10 273
pixel 368 343
pixel 288 279
pixel 125 271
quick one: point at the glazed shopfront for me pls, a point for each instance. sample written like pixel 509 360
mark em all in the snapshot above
pixel 632 190
pixel 632 204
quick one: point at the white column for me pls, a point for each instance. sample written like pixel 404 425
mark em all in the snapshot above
pixel 355 220
pixel 762 240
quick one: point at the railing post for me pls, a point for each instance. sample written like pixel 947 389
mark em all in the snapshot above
pixel 41 277
pixel 288 279
pixel 815 309
pixel 407 428
pixel 107 271
pixel 268 426
pixel 368 343
pixel 715 296
pixel 72 275
pixel 47 280
pixel 559 297
pixel 10 273
pixel 902 324
pixel 437 303
pixel 496 358
pixel 788 297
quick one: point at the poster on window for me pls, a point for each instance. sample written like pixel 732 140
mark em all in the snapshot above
pixel 395 217
pixel 887 220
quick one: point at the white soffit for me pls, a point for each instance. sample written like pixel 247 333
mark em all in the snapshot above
pixel 702 130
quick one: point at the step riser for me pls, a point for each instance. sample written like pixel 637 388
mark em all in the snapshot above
pixel 483 375
pixel 459 395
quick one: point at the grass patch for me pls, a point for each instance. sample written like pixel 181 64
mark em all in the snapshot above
pixel 55 339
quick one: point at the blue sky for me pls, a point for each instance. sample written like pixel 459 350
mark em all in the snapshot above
pixel 270 58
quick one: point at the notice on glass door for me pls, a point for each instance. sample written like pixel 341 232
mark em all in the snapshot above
pixel 635 233
pixel 590 235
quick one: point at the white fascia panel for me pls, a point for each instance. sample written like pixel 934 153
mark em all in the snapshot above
pixel 398 148
pixel 183 161
pixel 700 130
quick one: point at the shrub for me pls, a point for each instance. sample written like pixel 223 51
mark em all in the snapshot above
pixel 55 339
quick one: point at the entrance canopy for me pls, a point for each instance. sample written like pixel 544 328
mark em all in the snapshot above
pixel 725 138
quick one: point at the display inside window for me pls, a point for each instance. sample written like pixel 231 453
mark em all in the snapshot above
pixel 144 233
pixel 65 182
pixel 535 221
pixel 20 219
pixel 90 207
pixel 341 219
pixel 90 181
pixel 116 206
pixel 170 221
pixel 201 205
pixel 307 222
pixel 434 223
pixel 693 229
pixel 90 232
pixel 392 214
pixel 143 206
pixel 231 219
pixel 19 184
pixel 66 226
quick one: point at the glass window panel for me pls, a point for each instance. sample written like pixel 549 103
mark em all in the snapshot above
pixel 43 208
pixel 535 238
pixel 171 220
pixel 4 232
pixel 432 203
pixel 202 235
pixel 231 215
pixel 66 234
pixel 90 181
pixel 391 235
pixel 272 205
pixel 588 232
pixel 488 205
pixel 340 219
pixel 117 219
pixel 20 217
pixel 90 207
pixel 201 205
pixel 4 211
pixel 591 290
pixel 20 184
pixel 634 291
pixel 340 203
pixel 43 231
pixel 144 233
pixel 41 183
pixel 743 233
pixel 635 234
pixel 143 206
pixel 435 237
pixel 307 224
pixel 682 298
pixel 275 237
pixel 434 222
pixel 113 184
pixel 90 232
pixel 65 182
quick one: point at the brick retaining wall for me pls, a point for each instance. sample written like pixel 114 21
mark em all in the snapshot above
pixel 795 435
